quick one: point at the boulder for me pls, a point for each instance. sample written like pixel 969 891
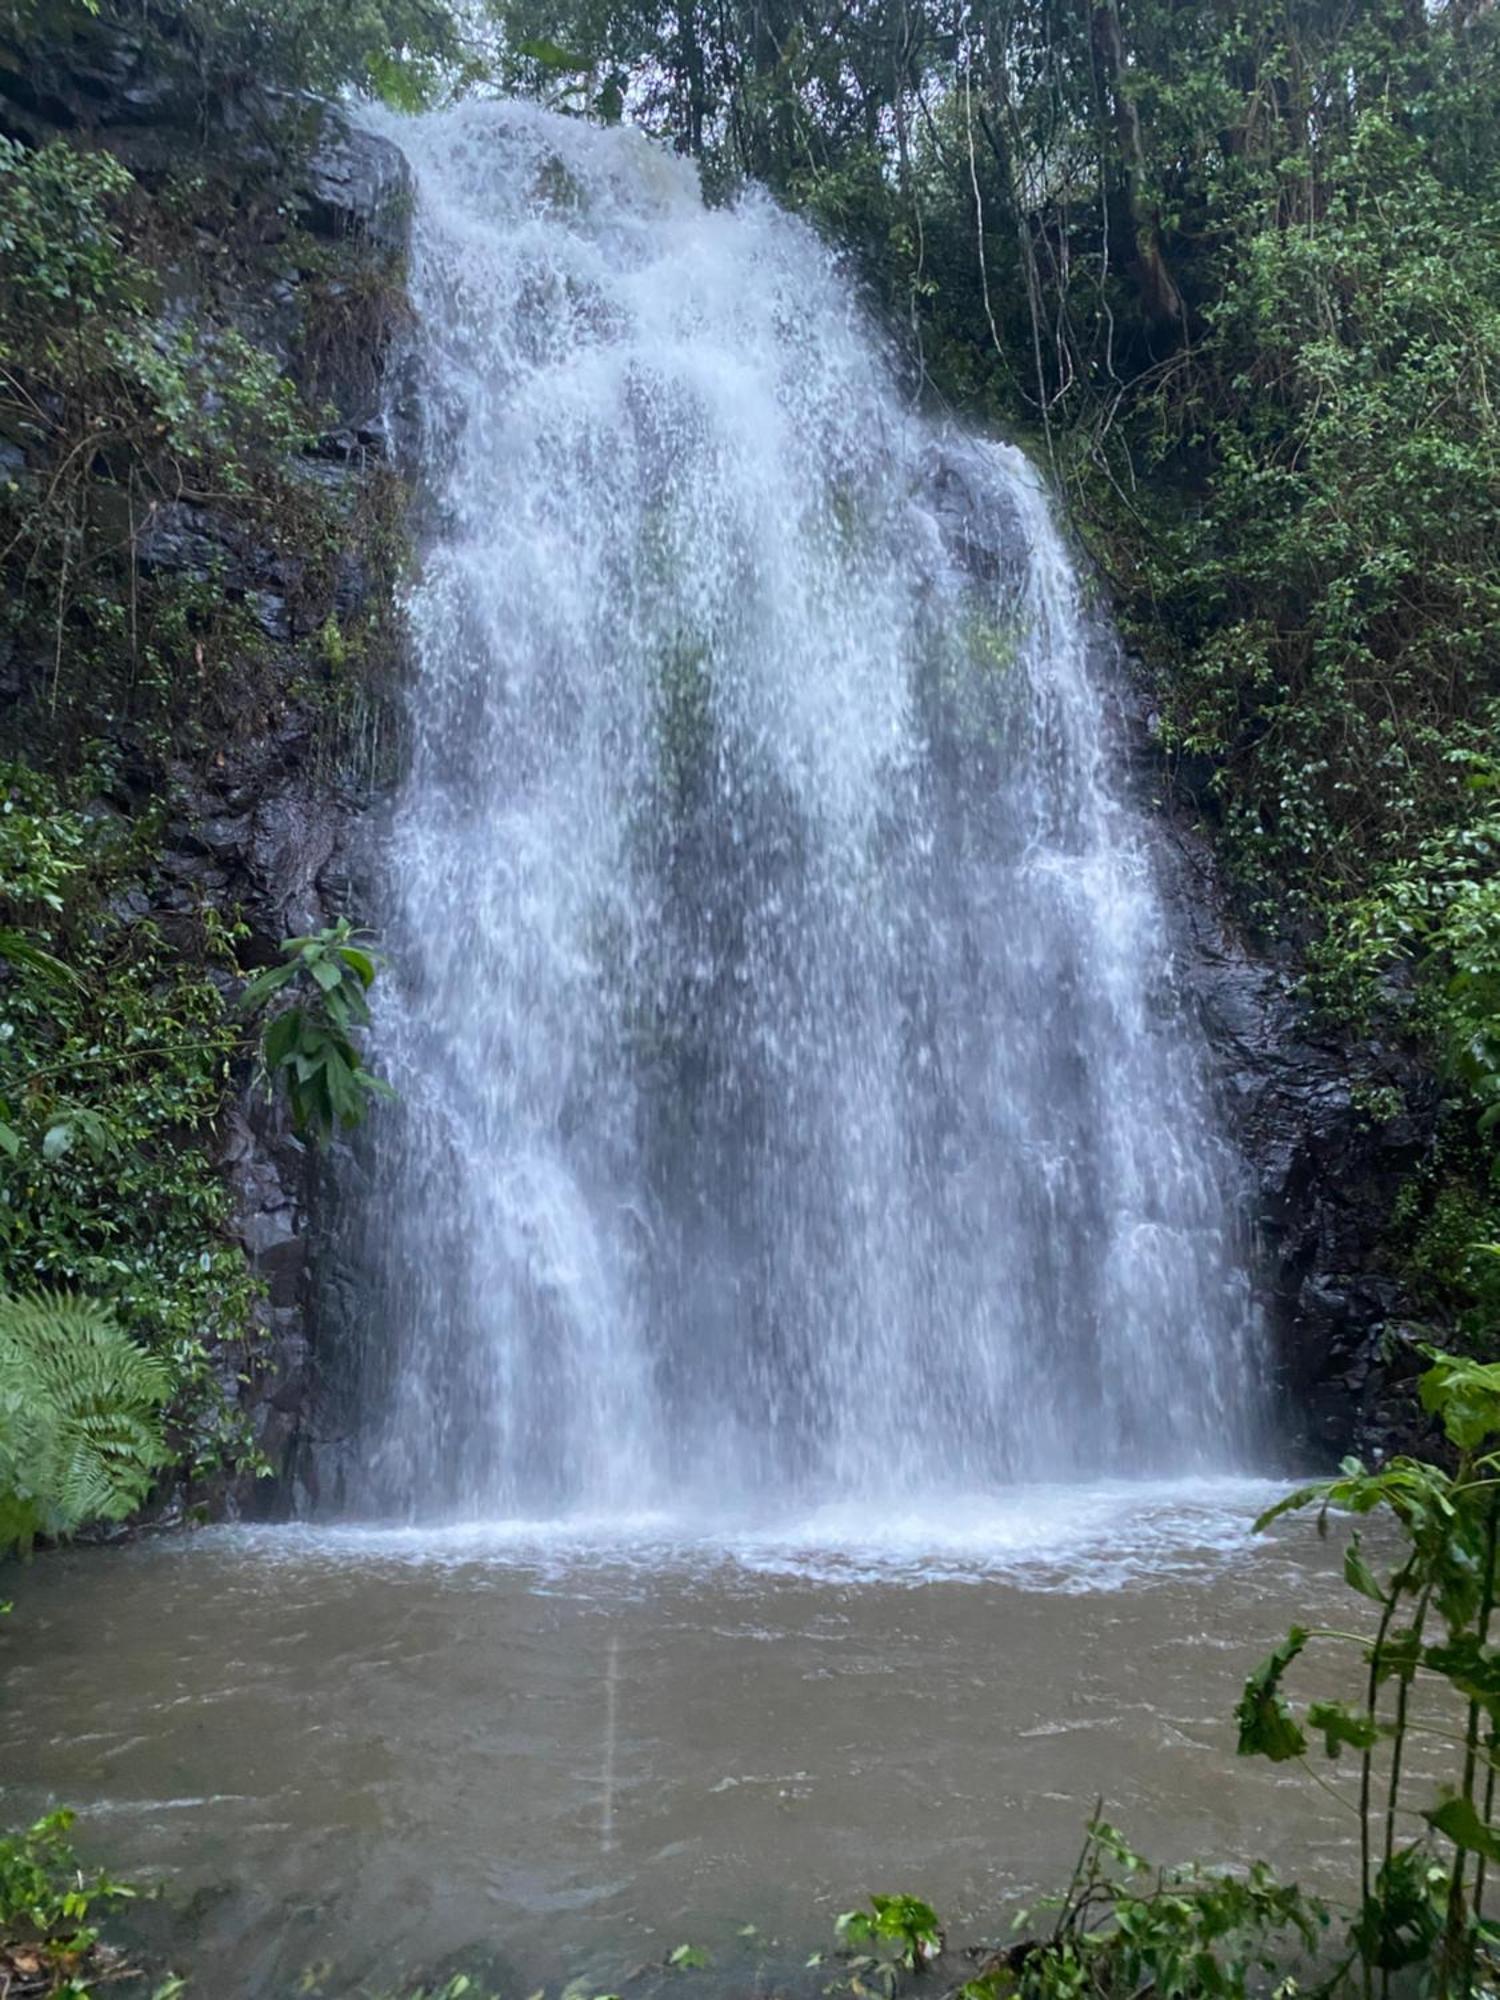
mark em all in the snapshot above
pixel 354 183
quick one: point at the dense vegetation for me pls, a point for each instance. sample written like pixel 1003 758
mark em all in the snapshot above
pixel 1232 269
pixel 1235 268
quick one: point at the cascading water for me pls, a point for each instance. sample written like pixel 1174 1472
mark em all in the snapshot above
pixel 793 1102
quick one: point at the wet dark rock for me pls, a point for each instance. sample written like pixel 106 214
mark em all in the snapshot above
pixel 1323 1170
pixel 278 1254
pixel 220 835
pixel 340 445
pixel 293 838
pixel 187 541
pixel 271 613
pixel 355 184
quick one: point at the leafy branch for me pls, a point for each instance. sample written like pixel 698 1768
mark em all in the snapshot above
pixel 1415 1908
pixel 308 1044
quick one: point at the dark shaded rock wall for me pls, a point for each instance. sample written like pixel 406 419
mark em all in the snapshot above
pixel 260 829
pixel 268 827
pixel 1310 1110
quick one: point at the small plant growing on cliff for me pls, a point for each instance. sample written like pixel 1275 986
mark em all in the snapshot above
pixel 1421 1901
pixel 308 1045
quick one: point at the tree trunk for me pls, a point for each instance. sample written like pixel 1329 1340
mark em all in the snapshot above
pixel 1159 294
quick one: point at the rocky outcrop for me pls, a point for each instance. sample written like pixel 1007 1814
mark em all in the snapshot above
pixel 1330 1126
pixel 265 829
pixel 257 827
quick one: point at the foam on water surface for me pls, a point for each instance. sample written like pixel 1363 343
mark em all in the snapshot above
pixel 1065 1538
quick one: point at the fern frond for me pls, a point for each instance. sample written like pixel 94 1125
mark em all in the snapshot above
pixel 80 1425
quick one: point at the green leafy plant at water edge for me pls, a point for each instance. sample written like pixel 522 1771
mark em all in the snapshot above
pixel 1123 1929
pixel 905 1922
pixel 48 1945
pixel 1427 1669
pixel 116 1054
pixel 309 1043
pixel 118 1049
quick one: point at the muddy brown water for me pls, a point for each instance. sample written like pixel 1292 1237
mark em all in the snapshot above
pixel 567 1750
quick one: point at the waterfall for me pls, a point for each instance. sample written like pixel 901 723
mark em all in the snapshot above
pixel 795 1102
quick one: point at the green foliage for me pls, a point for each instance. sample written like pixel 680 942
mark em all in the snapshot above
pixel 1421 946
pixel 80 1424
pixel 158 466
pixel 309 1044
pixel 1123 1929
pixel 1430 1650
pixel 905 1922
pixel 1266 1725
pixel 1320 605
pixel 136 412
pixel 115 1058
pixel 404 51
pixel 48 1945
pixel 60 244
pixel 110 1079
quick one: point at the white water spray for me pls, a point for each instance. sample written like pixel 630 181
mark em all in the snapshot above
pixel 795 1108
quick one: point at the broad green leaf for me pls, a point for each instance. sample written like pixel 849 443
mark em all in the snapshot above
pixel 359 962
pixel 1267 1728
pixel 18 948
pixel 1343 1725
pixel 1358 1574
pixel 1465 1394
pixel 1291 1503
pixel 1458 1820
pixel 281 1037
pixel 264 984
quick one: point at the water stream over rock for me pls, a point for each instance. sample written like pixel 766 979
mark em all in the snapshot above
pixel 796 1110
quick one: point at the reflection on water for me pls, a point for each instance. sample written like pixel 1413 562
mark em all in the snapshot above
pixel 574 1751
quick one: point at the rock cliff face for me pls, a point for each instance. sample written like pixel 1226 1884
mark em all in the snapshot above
pixel 266 831
pixel 1329 1126
pixel 259 829
pixel 262 831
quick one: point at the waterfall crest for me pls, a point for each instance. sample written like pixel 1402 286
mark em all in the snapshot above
pixel 794 1101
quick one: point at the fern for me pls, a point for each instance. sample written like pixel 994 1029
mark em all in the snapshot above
pixel 80 1422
